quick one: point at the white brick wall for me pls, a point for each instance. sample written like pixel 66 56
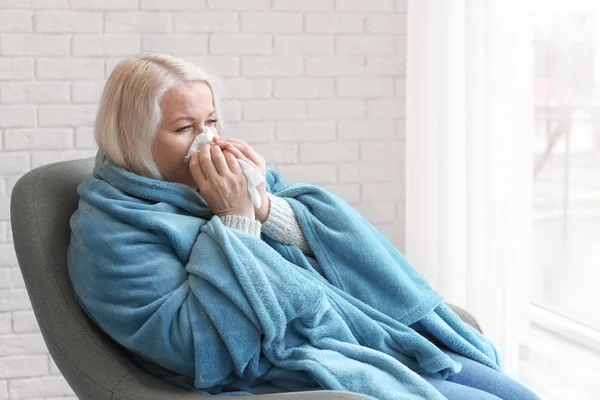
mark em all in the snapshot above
pixel 316 86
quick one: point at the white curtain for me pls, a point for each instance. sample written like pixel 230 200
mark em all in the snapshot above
pixel 469 158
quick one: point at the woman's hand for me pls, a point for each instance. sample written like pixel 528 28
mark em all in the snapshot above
pixel 221 181
pixel 244 151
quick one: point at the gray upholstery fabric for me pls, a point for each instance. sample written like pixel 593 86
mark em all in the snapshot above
pixel 93 364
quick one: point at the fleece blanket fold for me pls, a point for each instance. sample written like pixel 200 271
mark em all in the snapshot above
pixel 229 313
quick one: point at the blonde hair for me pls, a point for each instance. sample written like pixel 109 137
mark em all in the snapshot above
pixel 129 113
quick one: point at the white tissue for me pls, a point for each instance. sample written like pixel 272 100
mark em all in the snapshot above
pixel 206 137
pixel 254 177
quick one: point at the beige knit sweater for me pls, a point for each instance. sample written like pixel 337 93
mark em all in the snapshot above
pixel 281 225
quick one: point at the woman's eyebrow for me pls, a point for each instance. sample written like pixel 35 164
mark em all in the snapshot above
pixel 192 118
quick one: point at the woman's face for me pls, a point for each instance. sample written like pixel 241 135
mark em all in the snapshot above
pixel 187 108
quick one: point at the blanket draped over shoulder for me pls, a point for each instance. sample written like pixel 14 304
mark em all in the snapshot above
pixel 227 312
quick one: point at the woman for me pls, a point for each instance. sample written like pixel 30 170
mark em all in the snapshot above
pixel 174 261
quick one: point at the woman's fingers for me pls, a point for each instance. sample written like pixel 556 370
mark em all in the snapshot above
pixel 246 149
pixel 238 154
pixel 206 163
pixel 196 169
pixel 219 161
pixel 232 162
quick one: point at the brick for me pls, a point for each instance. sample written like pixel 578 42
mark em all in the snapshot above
pixel 5 322
pixel 304 5
pixel 335 66
pixel 238 44
pixel 8 257
pixel 328 152
pixel 34 92
pixel 239 4
pixel 273 109
pixel 53 367
pixel 172 5
pixel 401 129
pixel 305 131
pixel 87 91
pixel 271 22
pixel 278 153
pixel 10 184
pixel 349 192
pixel 69 68
pixel 377 108
pixel 37 4
pixel 3 390
pixel 222 66
pixel 304 44
pixel 392 192
pixel 394 232
pixel 67 22
pixel 366 128
pixel 111 63
pixel 231 110
pixel 386 65
pixel 137 22
pixel 313 174
pixel 3 225
pixel 401 45
pixel 103 4
pixel 4 281
pixel 53 385
pixel 376 171
pixel 362 5
pixel 67 115
pixel 251 132
pixel 334 23
pixel 16 278
pixel 244 88
pixel 15 21
pixel 23 366
pixel 106 45
pixel 400 85
pixel 175 44
pixel 365 86
pixel 304 88
pixel 4 213
pixel 16 69
pixel 13 300
pixel 271 66
pixel 38 139
pixel 377 212
pixel 365 44
pixel 84 138
pixel 15 116
pixel 335 108
pixel 392 24
pixel 206 21
pixel 401 206
pixel 24 322
pixel 39 158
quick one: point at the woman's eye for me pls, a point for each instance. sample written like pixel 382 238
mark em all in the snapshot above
pixel 185 128
pixel 211 122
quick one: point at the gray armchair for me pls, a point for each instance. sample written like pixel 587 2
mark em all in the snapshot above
pixel 95 366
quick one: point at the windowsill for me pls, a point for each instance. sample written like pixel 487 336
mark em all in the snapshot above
pixel 567 328
pixel 559 358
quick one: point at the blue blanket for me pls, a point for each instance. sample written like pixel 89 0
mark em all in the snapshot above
pixel 228 312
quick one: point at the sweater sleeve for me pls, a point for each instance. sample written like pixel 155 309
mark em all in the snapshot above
pixel 244 224
pixel 282 225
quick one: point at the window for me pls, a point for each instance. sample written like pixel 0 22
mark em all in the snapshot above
pixel 566 193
